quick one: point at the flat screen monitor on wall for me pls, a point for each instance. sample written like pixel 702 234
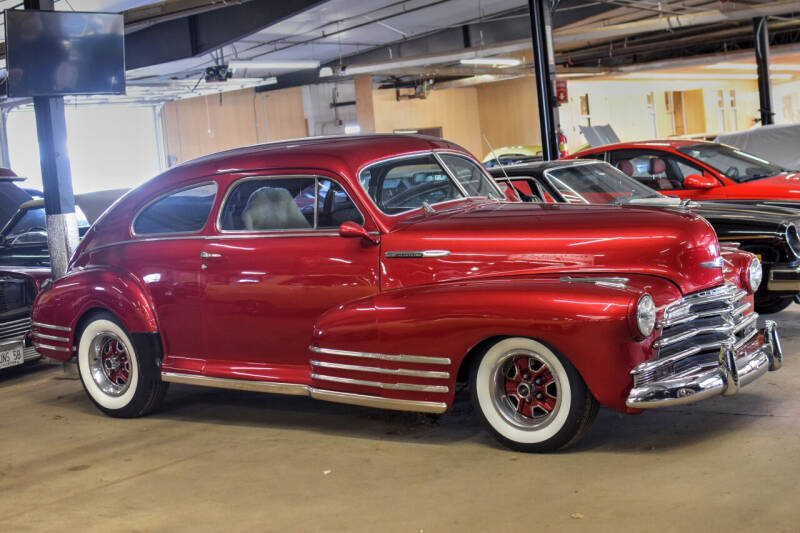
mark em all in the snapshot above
pixel 57 53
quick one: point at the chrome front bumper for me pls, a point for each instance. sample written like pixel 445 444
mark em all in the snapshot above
pixel 732 371
pixel 784 277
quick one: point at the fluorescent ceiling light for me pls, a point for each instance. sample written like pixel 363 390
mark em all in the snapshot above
pixel 492 61
pixel 696 76
pixel 272 65
pixel 751 66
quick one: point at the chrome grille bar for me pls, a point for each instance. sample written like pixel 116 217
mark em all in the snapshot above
pixel 699 323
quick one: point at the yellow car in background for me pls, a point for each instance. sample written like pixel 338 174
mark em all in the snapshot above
pixel 512 155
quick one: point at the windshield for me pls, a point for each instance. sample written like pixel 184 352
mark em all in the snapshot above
pixel 596 183
pixel 36 220
pixel 403 184
pixel 734 164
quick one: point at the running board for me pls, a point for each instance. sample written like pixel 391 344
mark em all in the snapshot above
pixel 295 389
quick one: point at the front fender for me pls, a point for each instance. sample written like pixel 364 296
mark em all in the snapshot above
pixel 587 323
pixel 58 310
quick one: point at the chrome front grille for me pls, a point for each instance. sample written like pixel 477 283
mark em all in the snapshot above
pixel 694 328
pixel 14 329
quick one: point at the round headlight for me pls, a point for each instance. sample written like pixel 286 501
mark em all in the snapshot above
pixel 646 315
pixel 754 274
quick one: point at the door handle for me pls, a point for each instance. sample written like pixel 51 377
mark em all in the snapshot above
pixel 209 255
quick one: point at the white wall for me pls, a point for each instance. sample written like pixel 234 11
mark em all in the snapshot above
pixel 320 116
pixel 110 147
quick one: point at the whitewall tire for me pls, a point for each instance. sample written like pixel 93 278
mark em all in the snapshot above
pixel 531 398
pixel 120 380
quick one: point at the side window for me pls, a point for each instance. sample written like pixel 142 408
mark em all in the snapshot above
pixel 335 206
pixel 649 168
pixel 685 169
pixel 275 204
pixel 184 211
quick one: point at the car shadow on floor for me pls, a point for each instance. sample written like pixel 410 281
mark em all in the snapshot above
pixel 660 430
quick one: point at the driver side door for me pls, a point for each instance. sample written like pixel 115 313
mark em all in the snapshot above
pixel 274 264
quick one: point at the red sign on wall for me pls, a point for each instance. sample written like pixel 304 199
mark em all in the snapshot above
pixel 561 91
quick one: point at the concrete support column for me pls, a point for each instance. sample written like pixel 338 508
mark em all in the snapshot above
pixel 365 110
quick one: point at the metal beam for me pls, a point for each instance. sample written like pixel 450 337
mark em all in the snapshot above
pixel 544 69
pixel 204 32
pixel 761 45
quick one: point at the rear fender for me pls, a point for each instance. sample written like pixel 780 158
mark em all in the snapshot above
pixel 57 310
pixel 589 324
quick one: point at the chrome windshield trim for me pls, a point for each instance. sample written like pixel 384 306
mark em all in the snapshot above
pixel 381 385
pixel 50 326
pixel 385 357
pixel 378 370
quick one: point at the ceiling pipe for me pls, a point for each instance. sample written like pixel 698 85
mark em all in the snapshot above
pixel 582 37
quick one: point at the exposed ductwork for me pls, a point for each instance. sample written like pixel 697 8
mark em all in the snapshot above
pixel 582 37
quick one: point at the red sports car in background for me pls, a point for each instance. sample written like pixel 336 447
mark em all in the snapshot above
pixel 700 170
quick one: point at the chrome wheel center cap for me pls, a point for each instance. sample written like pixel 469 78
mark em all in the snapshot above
pixel 524 390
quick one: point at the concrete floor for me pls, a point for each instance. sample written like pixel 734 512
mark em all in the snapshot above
pixel 225 460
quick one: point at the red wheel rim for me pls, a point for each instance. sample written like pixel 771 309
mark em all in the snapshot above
pixel 526 391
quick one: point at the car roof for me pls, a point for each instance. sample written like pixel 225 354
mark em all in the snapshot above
pixel 652 143
pixel 340 152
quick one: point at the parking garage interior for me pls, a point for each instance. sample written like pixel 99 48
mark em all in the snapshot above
pixel 208 87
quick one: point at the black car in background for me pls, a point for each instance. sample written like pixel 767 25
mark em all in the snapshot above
pixel 771 232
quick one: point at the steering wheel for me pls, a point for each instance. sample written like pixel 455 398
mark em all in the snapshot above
pixel 732 172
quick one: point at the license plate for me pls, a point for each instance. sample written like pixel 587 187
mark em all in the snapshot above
pixel 11 356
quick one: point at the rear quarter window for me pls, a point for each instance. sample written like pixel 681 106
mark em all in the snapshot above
pixel 185 210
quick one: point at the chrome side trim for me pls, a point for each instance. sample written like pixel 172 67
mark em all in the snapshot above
pixel 376 401
pixel 226 236
pixel 49 347
pixel 51 326
pixel 294 389
pixel 390 371
pixel 715 263
pixel 381 385
pixel 236 384
pixel 413 254
pixel 49 337
pixel 384 357
pixel 619 283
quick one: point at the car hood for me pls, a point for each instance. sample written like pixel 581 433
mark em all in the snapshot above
pixel 752 213
pixel 781 187
pixel 505 238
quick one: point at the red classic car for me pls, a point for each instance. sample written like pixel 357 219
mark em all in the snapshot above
pixel 409 273
pixel 700 170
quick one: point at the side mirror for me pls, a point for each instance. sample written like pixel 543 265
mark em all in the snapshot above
pixel 351 230
pixel 696 181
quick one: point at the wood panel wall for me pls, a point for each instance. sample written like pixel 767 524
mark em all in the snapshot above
pixel 509 113
pixel 454 110
pixel 198 126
